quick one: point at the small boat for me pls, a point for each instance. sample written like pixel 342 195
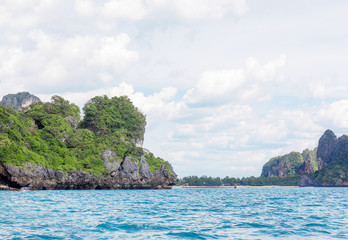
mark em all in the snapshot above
pixel 26 188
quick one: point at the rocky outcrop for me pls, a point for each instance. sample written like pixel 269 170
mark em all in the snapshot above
pixel 19 101
pixel 138 142
pixel 127 174
pixel 310 162
pixel 306 181
pixel 282 166
pixel 291 164
pixel 73 122
pixel 330 148
pixel 306 167
pixel 326 147
pixel 311 180
pixel 324 166
pixel 110 161
pixel 144 168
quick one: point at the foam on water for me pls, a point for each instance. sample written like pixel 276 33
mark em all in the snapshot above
pixel 219 213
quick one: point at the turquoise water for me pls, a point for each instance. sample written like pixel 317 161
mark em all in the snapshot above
pixel 222 213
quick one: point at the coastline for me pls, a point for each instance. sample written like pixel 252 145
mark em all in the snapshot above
pixel 242 186
pixel 7 188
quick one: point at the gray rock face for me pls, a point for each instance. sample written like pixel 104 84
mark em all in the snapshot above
pixel 72 122
pixel 129 168
pixel 110 162
pixel 326 146
pixel 138 142
pixel 306 181
pixel 19 100
pixel 144 168
pixel 125 175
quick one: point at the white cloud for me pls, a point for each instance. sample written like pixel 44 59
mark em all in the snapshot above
pixel 199 9
pixel 113 53
pixel 225 116
pixel 54 71
pixel 4 15
pixel 253 81
pixel 131 10
pixel 18 12
pixel 214 84
pixel 20 15
pixel 85 7
pixel 65 62
pixel 185 130
pixel 136 10
pixel 267 72
pixel 300 120
pixel 9 59
pixel 271 131
pixel 239 7
pixel 335 114
pixel 17 16
pixel 327 87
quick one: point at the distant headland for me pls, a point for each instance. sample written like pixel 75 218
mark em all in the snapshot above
pixel 325 166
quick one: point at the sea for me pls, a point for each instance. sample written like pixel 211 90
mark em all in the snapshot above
pixel 180 213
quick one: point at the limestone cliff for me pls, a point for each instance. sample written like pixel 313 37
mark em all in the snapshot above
pixel 128 174
pixel 332 161
pixel 326 147
pixel 327 165
pixel 291 164
pixel 19 101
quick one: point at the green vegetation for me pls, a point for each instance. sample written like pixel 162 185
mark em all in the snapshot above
pixel 200 181
pixel 283 165
pixel 231 181
pixel 52 135
pixel 115 116
pixel 156 162
pixel 337 167
pixel 291 164
pixel 312 155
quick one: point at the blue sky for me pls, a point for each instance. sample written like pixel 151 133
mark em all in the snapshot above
pixel 225 84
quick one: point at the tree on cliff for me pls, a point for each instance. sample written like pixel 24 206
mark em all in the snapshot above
pixel 114 116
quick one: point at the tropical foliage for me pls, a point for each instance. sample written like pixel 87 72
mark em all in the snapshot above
pixel 248 181
pixel 337 168
pixel 51 134
pixel 115 116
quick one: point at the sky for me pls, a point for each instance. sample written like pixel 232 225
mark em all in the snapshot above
pixel 225 84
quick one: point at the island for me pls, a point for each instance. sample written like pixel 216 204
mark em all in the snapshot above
pixel 49 146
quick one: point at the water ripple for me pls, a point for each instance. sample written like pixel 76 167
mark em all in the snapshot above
pixel 243 213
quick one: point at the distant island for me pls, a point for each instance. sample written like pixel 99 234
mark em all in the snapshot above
pixel 47 145
pixel 325 166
